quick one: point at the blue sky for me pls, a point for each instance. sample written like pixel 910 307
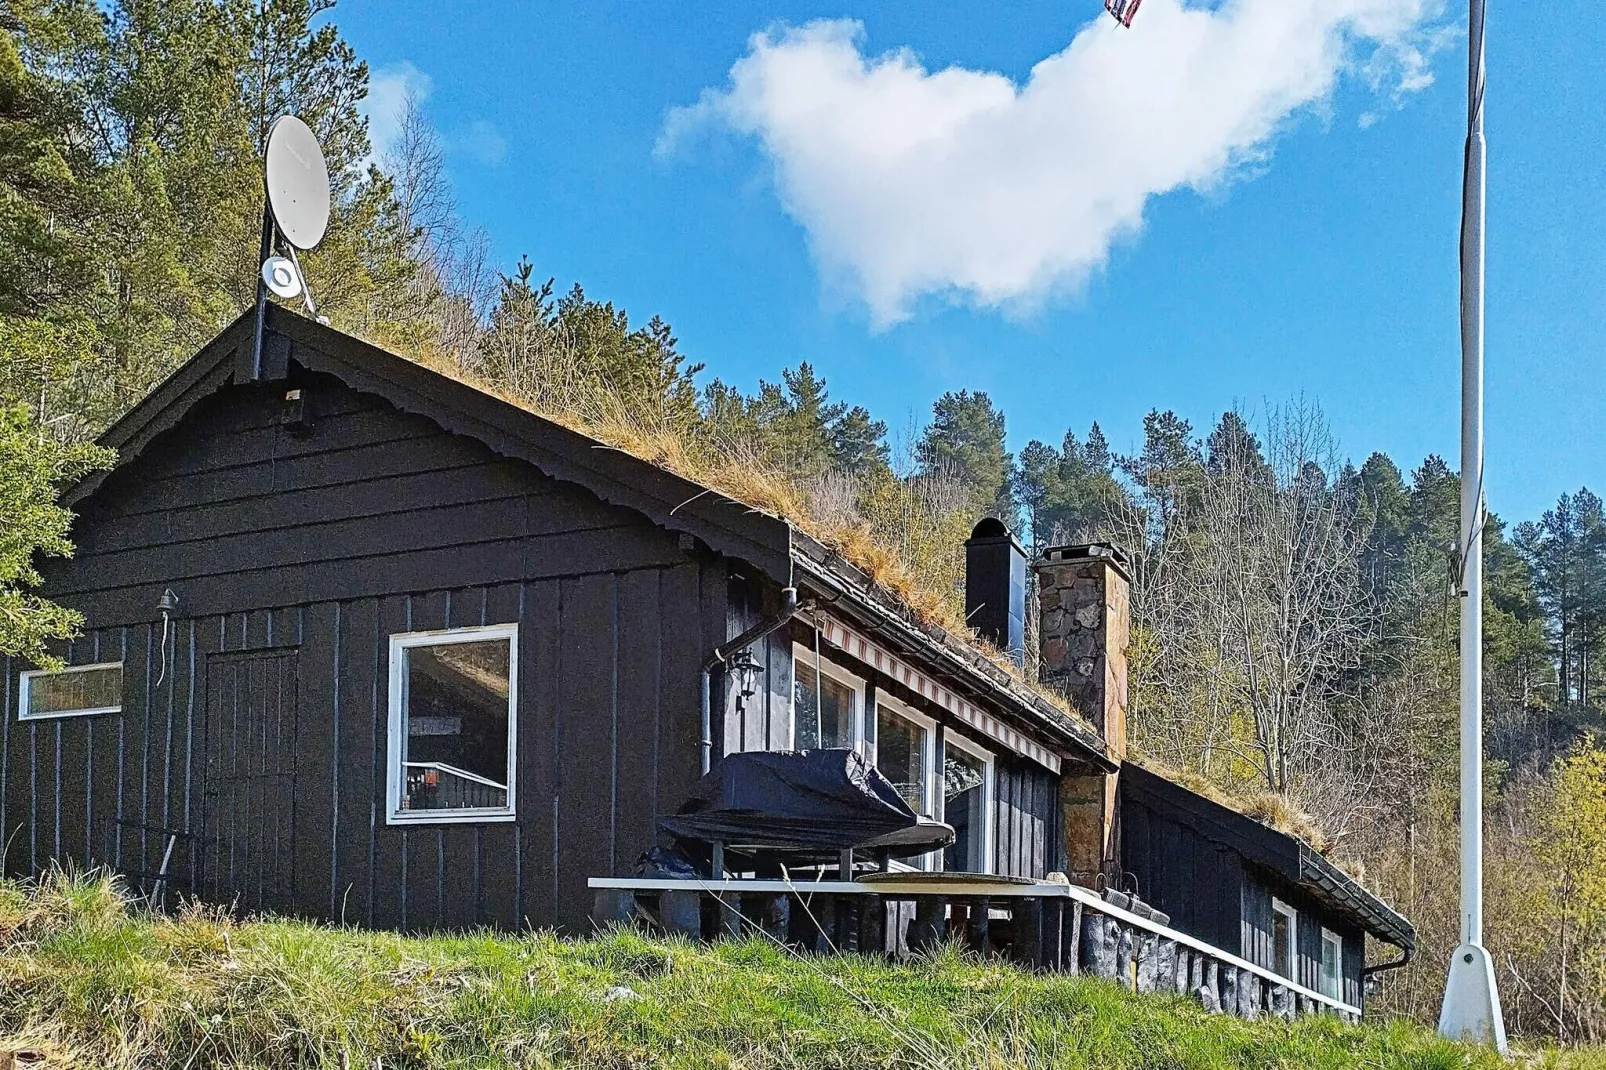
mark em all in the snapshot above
pixel 1318 260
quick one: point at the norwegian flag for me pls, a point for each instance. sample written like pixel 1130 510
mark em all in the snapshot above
pixel 1123 10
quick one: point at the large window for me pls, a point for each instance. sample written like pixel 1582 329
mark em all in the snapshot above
pixel 1284 937
pixel 1332 965
pixel 76 692
pixel 825 705
pixel 903 753
pixel 967 788
pixel 453 715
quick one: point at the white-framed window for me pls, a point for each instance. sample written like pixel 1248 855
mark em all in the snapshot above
pixel 1332 964
pixel 905 751
pixel 827 704
pixel 77 691
pixel 453 724
pixel 967 805
pixel 1284 937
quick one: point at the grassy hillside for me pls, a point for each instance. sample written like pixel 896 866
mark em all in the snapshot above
pixel 95 984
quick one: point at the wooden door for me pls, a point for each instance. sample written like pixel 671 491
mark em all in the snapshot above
pixel 247 843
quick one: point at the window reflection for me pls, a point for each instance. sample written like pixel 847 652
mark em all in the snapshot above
pixel 823 717
pixel 901 757
pixel 964 778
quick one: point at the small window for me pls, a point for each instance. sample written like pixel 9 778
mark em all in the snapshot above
pixel 1332 964
pixel 453 716
pixel 825 705
pixel 967 789
pixel 75 692
pixel 1284 937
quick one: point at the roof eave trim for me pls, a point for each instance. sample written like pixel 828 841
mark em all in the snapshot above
pixel 1375 916
pixel 210 369
pixel 1085 745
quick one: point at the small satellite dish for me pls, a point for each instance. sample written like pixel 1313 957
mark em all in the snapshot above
pixel 281 277
pixel 298 183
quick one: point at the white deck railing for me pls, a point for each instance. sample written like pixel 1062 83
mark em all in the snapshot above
pixel 1104 939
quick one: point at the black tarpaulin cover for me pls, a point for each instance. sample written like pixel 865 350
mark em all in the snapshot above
pixel 803 800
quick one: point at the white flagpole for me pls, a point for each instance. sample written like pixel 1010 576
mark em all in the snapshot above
pixel 1471 999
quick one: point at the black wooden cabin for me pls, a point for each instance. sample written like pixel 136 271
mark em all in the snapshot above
pixel 368 644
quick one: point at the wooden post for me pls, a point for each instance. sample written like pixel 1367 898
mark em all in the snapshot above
pixel 1071 938
pixel 613 906
pixel 730 915
pixel 1249 996
pixel 1148 963
pixel 978 925
pixel 1123 954
pixel 873 925
pixel 1184 969
pixel 1210 987
pixel 824 910
pixel 926 931
pixel 1165 966
pixel 775 917
pixel 681 912
pixel 1229 989
pixel 1098 957
pixel 847 923
pixel 1030 932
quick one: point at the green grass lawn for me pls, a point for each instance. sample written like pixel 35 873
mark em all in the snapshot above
pixel 93 983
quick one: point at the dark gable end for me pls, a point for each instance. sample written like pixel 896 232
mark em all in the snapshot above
pixel 255 728
pixel 1287 858
pixel 614 476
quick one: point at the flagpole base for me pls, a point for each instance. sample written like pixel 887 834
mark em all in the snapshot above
pixel 1471 1010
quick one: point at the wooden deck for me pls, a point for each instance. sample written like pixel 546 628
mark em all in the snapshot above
pixel 1041 925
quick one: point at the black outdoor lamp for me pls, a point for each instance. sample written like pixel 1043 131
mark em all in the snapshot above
pixel 745 671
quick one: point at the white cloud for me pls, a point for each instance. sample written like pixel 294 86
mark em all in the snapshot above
pixel 480 140
pixel 388 89
pixel 962 183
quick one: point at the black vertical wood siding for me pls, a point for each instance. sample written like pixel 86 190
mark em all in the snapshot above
pixel 1214 894
pixel 763 722
pixel 1026 819
pixel 322 547
pixel 1197 882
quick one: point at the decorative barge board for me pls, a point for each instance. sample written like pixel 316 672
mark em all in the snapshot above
pixel 1048 926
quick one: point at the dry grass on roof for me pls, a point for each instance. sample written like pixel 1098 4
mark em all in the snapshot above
pixel 735 469
pixel 1267 807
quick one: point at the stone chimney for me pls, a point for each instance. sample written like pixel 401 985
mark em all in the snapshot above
pixel 1084 629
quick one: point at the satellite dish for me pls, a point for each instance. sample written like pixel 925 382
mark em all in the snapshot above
pixel 297 182
pixel 281 277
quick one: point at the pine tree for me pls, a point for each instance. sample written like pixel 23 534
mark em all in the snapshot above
pixel 965 441
pixel 33 467
pixel 859 443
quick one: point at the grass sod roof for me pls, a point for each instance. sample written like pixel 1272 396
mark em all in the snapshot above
pixel 93 982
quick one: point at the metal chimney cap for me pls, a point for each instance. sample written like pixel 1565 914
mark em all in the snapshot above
pixel 1092 551
pixel 990 529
